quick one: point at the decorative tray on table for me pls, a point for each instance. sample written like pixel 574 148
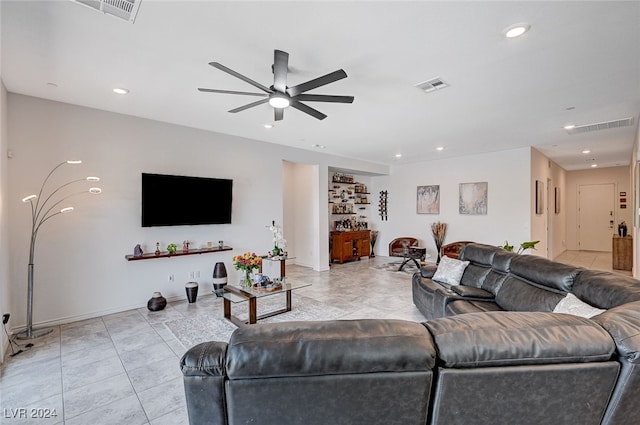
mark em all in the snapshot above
pixel 269 288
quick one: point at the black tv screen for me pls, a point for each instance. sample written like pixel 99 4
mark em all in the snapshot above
pixel 179 200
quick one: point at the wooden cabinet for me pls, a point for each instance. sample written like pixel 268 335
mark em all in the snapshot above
pixel 622 252
pixel 352 245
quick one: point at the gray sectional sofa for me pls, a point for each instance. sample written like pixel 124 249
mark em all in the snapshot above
pixel 493 352
pixel 496 281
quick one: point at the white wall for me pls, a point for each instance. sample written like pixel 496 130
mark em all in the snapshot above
pixel 509 201
pixel 5 288
pixel 80 270
pixel 619 176
pixel 549 228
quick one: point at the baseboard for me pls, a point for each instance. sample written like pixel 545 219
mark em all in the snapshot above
pixel 91 315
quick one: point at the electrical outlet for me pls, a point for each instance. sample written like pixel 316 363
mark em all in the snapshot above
pixel 190 275
pixel 198 274
pixel 171 278
pixel 5 318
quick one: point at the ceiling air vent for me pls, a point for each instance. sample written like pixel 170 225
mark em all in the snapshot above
pixel 432 85
pixel 123 9
pixel 626 122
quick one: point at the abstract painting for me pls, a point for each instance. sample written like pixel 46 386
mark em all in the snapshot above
pixel 473 198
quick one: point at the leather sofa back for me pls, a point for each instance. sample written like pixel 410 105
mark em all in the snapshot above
pixel 606 290
pixel 549 274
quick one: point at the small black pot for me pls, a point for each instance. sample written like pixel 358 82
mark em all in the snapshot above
pixel 157 302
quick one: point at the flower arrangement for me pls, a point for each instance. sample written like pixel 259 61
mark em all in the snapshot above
pixel 247 262
pixel 439 231
pixel 279 242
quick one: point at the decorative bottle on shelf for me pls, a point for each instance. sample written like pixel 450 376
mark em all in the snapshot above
pixel 157 248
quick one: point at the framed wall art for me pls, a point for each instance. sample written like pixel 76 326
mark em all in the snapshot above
pixel 539 197
pixel 473 198
pixel 428 199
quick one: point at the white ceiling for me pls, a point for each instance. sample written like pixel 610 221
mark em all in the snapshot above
pixel 503 94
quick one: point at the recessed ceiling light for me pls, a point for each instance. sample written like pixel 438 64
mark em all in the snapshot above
pixel 52 84
pixel 594 165
pixel 267 126
pixel 516 30
pixel 398 155
pixel 440 148
pixel 569 126
pixel 120 90
pixel 586 151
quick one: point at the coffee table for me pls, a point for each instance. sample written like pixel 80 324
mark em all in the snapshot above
pixel 235 295
pixel 415 254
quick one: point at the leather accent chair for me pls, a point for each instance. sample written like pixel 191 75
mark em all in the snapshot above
pixel 399 245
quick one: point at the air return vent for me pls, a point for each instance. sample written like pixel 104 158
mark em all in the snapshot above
pixel 626 122
pixel 123 9
pixel 432 85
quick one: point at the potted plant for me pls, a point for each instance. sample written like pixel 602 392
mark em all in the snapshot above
pixel 523 246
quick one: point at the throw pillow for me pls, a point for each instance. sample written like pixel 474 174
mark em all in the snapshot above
pixel 450 270
pixel 573 305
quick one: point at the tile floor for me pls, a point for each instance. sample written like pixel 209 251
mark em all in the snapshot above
pixel 124 368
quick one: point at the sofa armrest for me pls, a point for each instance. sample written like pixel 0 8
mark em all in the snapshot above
pixel 428 271
pixel 203 370
pixel 623 323
pixel 472 292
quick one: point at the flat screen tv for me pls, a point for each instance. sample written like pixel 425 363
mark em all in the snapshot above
pixel 179 200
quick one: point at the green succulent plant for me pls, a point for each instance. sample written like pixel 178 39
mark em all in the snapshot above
pixel 523 246
pixel 171 248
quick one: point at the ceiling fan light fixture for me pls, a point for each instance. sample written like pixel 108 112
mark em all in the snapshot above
pixel 279 101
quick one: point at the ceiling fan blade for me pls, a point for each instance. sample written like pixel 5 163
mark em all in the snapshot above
pixel 280 70
pixel 324 98
pixel 317 82
pixel 240 76
pixel 307 109
pixel 250 105
pixel 278 114
pixel 232 92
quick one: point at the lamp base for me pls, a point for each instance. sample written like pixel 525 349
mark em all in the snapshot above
pixel 34 333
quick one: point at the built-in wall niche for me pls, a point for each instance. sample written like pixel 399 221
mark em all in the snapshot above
pixel 349 202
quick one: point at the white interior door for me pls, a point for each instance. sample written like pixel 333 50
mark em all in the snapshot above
pixel 595 216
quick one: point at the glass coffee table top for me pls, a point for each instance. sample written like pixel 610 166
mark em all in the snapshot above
pixel 234 294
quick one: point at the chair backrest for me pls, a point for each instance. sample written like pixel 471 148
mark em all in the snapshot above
pixel 398 245
pixel 452 250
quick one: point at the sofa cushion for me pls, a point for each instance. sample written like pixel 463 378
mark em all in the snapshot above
pixel 471 292
pixel 464 307
pixel 329 348
pixel 573 305
pixel 516 294
pixel 478 253
pixel 474 275
pixel 543 272
pixel 605 289
pixel 513 338
pixel 450 270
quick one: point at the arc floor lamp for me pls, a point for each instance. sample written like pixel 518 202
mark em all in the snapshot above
pixel 43 208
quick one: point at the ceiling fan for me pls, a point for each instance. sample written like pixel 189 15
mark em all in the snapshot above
pixel 279 95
